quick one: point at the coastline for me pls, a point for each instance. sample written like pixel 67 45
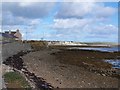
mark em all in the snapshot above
pixel 46 64
pixel 17 65
pixel 63 68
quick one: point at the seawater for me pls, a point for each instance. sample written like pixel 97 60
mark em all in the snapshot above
pixel 108 49
pixel 115 63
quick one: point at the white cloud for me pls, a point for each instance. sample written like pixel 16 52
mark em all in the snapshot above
pixel 104 31
pixel 34 22
pixel 73 21
pixel 24 14
pixel 70 23
pixel 26 3
pixel 84 9
pixel 74 9
pixel 79 29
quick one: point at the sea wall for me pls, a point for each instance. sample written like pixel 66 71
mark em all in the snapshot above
pixel 13 48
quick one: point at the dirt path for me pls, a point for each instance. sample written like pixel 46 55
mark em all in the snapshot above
pixel 45 65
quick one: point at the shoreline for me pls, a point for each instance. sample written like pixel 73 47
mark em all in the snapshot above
pixel 61 75
pixel 91 60
pixel 60 69
pixel 16 63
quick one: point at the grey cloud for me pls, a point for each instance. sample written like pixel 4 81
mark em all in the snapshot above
pixel 9 19
pixel 34 10
pixel 14 14
pixel 105 12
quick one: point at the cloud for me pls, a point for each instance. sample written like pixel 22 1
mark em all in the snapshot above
pixel 9 19
pixel 104 31
pixel 10 22
pixel 84 9
pixel 81 21
pixel 83 29
pixel 24 14
pixel 74 9
pixel 71 23
pixel 104 11
pixel 28 10
pixel 0 28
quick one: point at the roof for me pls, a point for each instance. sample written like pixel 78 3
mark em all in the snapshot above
pixel 12 32
pixel 7 35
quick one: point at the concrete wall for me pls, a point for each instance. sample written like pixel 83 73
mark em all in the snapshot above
pixel 13 48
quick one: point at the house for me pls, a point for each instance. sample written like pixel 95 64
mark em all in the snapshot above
pixel 5 37
pixel 16 33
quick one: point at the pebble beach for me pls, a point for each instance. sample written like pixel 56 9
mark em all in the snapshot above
pixel 61 75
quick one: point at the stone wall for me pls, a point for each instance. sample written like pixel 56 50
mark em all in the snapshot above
pixel 13 48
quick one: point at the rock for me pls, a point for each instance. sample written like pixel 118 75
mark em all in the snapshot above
pixel 88 83
pixel 83 81
pixel 16 62
pixel 103 75
pixel 74 77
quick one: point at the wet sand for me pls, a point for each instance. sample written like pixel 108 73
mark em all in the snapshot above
pixel 50 65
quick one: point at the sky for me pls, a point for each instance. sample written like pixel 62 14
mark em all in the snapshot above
pixel 63 21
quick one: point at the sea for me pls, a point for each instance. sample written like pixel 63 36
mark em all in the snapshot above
pixel 105 49
pixel 115 62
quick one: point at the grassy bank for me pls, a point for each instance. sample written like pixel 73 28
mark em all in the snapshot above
pixel 37 45
pixel 15 80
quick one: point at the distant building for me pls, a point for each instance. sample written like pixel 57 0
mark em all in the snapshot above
pixel 70 43
pixel 16 34
pixel 5 37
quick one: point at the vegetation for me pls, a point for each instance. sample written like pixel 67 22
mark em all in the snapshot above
pixel 15 80
pixel 78 57
pixel 85 57
pixel 37 45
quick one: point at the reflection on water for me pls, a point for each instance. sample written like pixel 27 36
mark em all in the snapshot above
pixel 115 63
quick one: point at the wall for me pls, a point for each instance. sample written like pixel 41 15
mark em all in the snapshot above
pixel 10 49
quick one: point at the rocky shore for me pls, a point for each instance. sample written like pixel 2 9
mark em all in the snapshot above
pixel 61 68
pixel 16 62
pixel 90 60
pixel 61 73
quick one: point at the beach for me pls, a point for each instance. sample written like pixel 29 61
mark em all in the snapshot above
pixel 55 66
pixel 61 67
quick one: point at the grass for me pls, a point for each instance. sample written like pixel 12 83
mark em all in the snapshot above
pixel 38 45
pixel 15 80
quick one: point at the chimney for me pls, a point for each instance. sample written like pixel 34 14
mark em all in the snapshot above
pixel 17 30
pixel 9 31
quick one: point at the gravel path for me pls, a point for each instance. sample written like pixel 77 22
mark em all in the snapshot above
pixel 45 65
